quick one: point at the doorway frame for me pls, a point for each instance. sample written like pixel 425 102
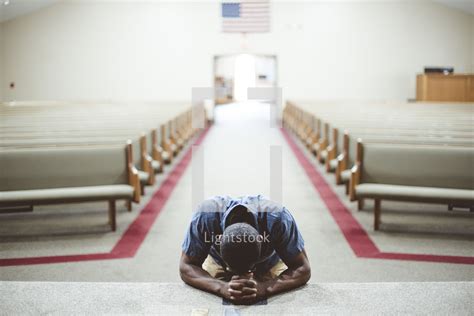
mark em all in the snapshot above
pixel 214 67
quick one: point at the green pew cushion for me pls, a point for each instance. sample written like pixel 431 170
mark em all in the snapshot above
pixel 90 193
pixel 413 193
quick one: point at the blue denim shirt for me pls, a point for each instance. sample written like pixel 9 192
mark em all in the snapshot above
pixel 284 240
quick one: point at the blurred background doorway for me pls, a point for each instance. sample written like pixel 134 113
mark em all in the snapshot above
pixel 234 73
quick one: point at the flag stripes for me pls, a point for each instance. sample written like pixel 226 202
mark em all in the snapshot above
pixel 246 16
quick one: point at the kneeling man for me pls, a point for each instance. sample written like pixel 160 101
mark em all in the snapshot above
pixel 243 249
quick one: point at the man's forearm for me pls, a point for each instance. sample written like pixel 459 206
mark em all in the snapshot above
pixel 199 278
pixel 289 279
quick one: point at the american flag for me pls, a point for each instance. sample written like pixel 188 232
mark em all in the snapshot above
pixel 246 16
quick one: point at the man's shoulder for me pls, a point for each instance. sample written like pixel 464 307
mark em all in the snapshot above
pixel 211 208
pixel 262 204
pixel 213 204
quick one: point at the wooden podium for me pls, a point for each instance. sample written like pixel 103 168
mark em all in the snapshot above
pixel 445 88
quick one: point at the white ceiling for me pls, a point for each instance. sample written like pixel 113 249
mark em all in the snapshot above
pixel 20 7
pixel 16 8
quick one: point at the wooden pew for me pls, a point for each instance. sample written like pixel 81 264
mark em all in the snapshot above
pixel 149 156
pixel 347 157
pixel 58 130
pixel 141 160
pixel 333 141
pixel 69 175
pixel 412 124
pixel 414 173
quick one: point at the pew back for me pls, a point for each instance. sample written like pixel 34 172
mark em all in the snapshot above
pixel 62 167
pixel 425 166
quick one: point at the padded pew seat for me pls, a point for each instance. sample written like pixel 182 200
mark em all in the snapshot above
pixel 143 177
pixel 165 155
pixel 346 175
pixel 174 148
pixel 333 165
pixel 74 194
pixel 156 165
pixel 414 193
pixel 324 155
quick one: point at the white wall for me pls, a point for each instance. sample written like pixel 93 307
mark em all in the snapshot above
pixel 2 72
pixel 472 45
pixel 150 50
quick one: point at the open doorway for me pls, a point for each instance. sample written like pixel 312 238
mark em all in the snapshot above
pixel 234 73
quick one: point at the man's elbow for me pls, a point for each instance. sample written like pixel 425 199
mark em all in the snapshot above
pixel 308 275
pixel 305 273
pixel 183 272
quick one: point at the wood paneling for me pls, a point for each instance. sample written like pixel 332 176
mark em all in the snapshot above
pixel 449 88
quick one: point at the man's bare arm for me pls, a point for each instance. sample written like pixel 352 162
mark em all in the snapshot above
pixel 297 274
pixel 192 273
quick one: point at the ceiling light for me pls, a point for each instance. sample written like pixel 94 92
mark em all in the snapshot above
pixel 6 2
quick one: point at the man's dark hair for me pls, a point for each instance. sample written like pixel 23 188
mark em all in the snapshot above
pixel 240 247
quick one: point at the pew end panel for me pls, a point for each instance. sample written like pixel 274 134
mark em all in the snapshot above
pixel 332 151
pixel 165 144
pixel 133 178
pixel 154 151
pixel 146 162
pixel 342 159
pixel 356 171
pixel 158 146
pixel 323 144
